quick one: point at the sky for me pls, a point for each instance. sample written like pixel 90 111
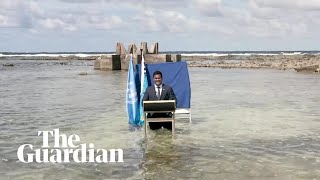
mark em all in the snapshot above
pixel 177 25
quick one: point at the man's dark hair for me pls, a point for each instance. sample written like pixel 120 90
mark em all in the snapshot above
pixel 157 72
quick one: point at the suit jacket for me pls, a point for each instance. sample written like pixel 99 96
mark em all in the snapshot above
pixel 166 93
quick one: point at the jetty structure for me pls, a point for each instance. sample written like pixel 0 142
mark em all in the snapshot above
pixel 120 60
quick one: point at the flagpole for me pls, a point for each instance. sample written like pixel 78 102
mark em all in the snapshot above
pixel 144 85
pixel 141 73
pixel 141 88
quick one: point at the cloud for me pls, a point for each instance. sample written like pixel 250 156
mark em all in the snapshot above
pixel 137 4
pixel 259 19
pixel 56 23
pixel 142 16
pixel 81 1
pixel 19 14
pixel 10 4
pixel 36 10
pixel 289 4
pixel 209 7
pixel 282 19
pixel 176 22
pixel 206 19
pixel 4 21
pixel 36 15
pixel 164 21
pixel 102 22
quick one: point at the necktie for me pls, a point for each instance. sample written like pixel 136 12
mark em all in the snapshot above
pixel 158 94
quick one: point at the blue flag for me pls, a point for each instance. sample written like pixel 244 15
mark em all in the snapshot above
pixel 143 87
pixel 132 97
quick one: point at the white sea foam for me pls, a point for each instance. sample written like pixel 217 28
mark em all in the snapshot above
pixel 204 54
pixel 266 54
pixel 247 54
pixel 231 54
pixel 291 54
pixel 216 54
pixel 241 54
pixel 51 55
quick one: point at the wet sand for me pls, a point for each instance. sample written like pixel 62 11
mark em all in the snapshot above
pixel 281 62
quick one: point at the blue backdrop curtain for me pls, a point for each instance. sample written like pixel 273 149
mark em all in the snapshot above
pixel 174 74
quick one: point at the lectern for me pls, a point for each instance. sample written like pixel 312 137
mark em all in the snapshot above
pixel 160 106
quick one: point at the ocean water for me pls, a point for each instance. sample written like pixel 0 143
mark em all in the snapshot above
pixel 184 53
pixel 246 124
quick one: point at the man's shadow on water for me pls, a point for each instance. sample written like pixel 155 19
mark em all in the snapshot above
pixel 160 152
pixel 183 127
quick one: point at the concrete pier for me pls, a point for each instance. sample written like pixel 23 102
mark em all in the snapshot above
pixel 120 61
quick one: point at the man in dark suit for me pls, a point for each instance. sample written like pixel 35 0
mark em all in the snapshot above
pixel 159 91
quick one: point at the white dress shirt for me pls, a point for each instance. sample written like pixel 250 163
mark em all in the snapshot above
pixel 156 88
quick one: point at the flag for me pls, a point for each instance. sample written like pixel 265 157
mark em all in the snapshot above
pixel 132 97
pixel 143 87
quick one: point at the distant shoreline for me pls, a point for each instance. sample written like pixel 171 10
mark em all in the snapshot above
pixel 297 61
pixel 310 63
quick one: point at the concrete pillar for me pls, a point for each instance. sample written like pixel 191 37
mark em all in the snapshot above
pixel 120 49
pixel 109 63
pixel 106 64
pixel 168 58
pixel 176 57
pixel 144 48
pixel 132 49
pixel 154 49
pixel 96 64
pixel 116 62
pixel 156 58
pixel 139 58
pixel 125 59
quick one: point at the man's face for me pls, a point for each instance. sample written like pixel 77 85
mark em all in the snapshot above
pixel 157 79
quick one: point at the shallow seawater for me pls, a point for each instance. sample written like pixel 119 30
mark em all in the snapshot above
pixel 246 124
